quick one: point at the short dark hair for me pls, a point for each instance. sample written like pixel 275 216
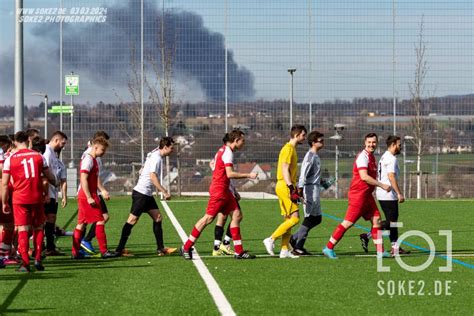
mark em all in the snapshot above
pixel 370 135
pixel 225 139
pixel 31 132
pixel 313 137
pixel 5 140
pixel 234 135
pixel 297 129
pixel 59 134
pixel 38 144
pixel 101 134
pixel 166 142
pixel 392 139
pixel 21 137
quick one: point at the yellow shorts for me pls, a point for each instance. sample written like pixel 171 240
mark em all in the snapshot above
pixel 287 207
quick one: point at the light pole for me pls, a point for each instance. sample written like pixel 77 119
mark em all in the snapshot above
pixel 337 137
pixel 71 163
pixel 45 112
pixel 407 137
pixel 291 71
pixel 436 163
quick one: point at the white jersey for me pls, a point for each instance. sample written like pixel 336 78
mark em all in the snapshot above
pixel 388 163
pixel 54 165
pixel 153 163
pixel 98 159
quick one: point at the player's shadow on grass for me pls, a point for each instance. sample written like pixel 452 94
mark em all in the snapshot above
pixel 24 278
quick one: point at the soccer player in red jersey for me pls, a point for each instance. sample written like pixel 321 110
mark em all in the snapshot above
pixel 25 167
pixel 221 199
pixel 6 220
pixel 88 200
pixel 361 200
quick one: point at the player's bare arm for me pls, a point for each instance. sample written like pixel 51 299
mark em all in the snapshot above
pixel 395 187
pixel 103 190
pixel 371 181
pixel 85 188
pixel 63 193
pixel 156 182
pixel 231 174
pixel 5 180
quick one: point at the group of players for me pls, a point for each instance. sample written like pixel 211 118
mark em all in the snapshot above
pixel 33 174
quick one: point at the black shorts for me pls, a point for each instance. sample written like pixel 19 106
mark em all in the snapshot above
pixel 103 206
pixel 142 203
pixel 51 207
pixel 390 209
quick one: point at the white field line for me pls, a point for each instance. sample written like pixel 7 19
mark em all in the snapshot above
pixel 218 296
pixel 457 255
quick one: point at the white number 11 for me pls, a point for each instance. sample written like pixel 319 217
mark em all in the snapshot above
pixel 25 163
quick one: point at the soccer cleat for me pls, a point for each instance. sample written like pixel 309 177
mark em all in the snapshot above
pixel 53 253
pixel 329 253
pixel 244 255
pixel 108 255
pixel 269 245
pixel 23 268
pixel 187 255
pixel 301 252
pixel 124 253
pixel 226 249
pixel 399 251
pixel 384 254
pixel 364 242
pixel 166 251
pixel 217 253
pixel 39 266
pixel 293 242
pixel 87 246
pixel 285 253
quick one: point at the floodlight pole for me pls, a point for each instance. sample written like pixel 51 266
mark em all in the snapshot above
pixel 436 164
pixel 71 163
pixel 291 71
pixel 45 112
pixel 19 97
pixel 407 137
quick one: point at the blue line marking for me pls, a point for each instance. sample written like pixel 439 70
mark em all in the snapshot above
pixel 462 263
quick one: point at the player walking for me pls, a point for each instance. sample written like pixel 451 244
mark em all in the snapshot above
pixel 309 183
pixel 221 199
pixel 287 193
pixel 361 200
pixel 142 197
pixel 25 167
pixel 388 172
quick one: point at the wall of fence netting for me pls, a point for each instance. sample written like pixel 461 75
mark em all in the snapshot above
pixel 195 69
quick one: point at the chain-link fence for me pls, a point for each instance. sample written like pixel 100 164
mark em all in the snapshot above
pixel 194 69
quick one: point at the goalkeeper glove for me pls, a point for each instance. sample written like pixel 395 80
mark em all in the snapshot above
pixel 294 196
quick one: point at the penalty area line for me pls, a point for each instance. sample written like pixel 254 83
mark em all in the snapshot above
pixel 218 296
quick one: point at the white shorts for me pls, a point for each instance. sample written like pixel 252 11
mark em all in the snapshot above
pixel 312 207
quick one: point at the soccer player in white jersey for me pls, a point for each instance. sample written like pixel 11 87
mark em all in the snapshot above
pixel 142 197
pixel 388 173
pixel 308 187
pixel 56 144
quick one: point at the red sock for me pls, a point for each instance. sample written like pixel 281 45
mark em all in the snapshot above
pixel 336 236
pixel 378 241
pixel 6 239
pixel 192 239
pixel 101 238
pixel 235 232
pixel 23 247
pixel 76 242
pixel 38 236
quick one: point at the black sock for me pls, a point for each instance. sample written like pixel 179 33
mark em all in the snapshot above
pixel 49 233
pixel 91 234
pixel 158 231
pixel 126 231
pixel 218 233
pixel 229 235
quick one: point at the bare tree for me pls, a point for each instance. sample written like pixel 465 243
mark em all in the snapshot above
pixel 417 91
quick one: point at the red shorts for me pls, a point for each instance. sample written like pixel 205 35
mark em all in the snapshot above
pixel 221 204
pixel 88 213
pixel 29 214
pixel 367 209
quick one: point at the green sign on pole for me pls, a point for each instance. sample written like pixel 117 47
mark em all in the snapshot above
pixel 57 111
pixel 64 107
pixel 72 85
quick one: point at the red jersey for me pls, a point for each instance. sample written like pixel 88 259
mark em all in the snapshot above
pixel 363 161
pixel 25 168
pixel 90 166
pixel 220 182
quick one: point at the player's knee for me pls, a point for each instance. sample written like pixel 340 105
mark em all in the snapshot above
pixel 294 220
pixel 208 219
pixel 385 225
pixel 347 224
pixel 106 217
pixel 376 222
pixel 100 223
pixel 312 221
pixel 237 216
pixel 158 218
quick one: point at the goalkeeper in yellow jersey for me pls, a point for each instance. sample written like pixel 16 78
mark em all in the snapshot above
pixel 288 195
